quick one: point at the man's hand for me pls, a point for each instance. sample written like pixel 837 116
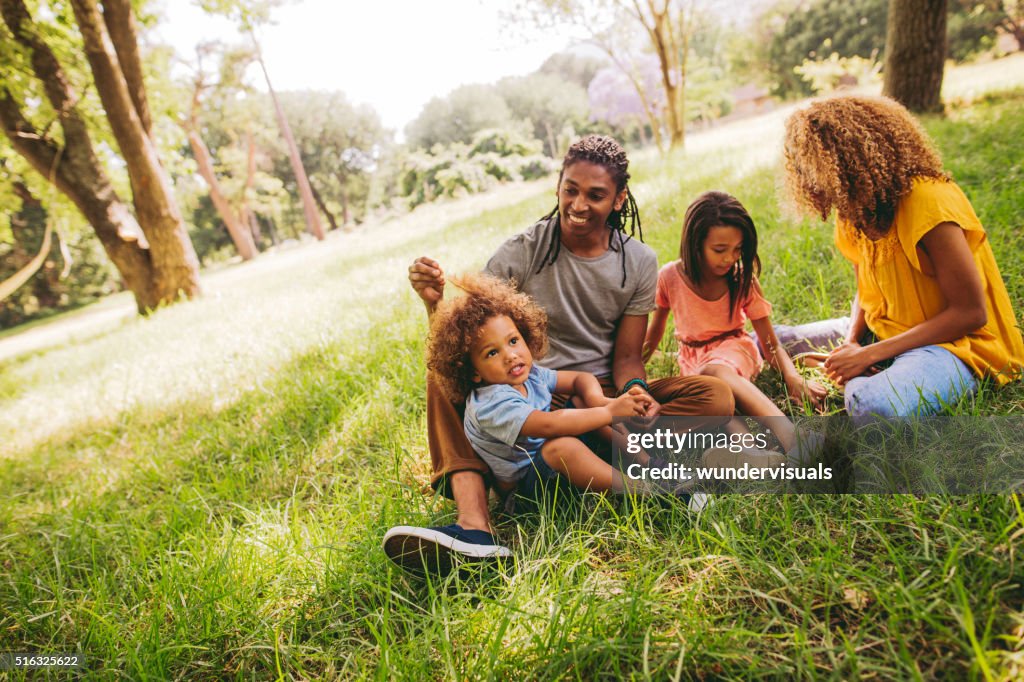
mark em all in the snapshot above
pixel 427 279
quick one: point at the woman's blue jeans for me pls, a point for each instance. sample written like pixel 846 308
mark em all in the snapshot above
pixel 918 382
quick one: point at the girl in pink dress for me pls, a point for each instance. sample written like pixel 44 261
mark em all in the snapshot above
pixel 712 290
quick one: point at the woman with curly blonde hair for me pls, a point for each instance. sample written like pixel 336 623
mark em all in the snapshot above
pixel 931 315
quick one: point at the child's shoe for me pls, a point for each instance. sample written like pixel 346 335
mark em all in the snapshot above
pixel 808 449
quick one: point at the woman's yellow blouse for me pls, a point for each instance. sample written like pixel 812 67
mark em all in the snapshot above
pixel 896 294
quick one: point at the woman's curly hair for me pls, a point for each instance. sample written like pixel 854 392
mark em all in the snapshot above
pixel 858 155
pixel 456 324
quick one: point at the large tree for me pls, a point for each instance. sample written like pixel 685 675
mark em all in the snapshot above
pixel 1012 20
pixel 46 261
pixel 915 53
pixel 786 33
pixel 157 262
pixel 574 68
pixel 1007 15
pixel 250 15
pixel 550 104
pixel 615 102
pixel 789 32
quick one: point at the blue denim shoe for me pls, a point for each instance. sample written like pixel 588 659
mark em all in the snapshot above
pixel 435 550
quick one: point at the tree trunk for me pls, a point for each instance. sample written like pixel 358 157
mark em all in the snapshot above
pixel 305 190
pixel 241 234
pixel 76 172
pixel 254 227
pixel 668 61
pixel 234 222
pixel 1015 27
pixel 552 145
pixel 74 168
pixel 31 262
pixel 346 214
pixel 631 73
pixel 250 177
pixel 323 207
pixel 117 15
pixel 915 53
pixel 652 118
pixel 175 265
pixel 275 238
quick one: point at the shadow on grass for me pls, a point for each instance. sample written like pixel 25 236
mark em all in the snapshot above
pixel 152 530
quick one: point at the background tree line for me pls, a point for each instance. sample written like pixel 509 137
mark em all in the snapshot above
pixel 139 177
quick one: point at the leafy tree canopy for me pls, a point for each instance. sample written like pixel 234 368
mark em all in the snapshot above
pixel 791 32
pixel 549 104
pixel 458 116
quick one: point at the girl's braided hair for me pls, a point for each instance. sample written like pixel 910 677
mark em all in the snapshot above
pixel 456 323
pixel 603 151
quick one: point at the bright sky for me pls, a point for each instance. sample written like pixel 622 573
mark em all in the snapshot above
pixel 392 54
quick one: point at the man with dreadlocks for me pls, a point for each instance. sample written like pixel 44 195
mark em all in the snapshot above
pixel 597 285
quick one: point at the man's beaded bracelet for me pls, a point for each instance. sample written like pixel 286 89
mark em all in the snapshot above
pixel 634 382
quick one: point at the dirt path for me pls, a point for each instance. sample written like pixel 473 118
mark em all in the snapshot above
pixel 114 311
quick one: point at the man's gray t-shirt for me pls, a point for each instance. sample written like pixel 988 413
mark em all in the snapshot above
pixel 583 297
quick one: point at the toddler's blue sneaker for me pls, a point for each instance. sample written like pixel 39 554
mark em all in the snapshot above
pixel 434 550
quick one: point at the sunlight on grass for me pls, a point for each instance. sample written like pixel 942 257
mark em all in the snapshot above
pixel 203 493
pixel 251 321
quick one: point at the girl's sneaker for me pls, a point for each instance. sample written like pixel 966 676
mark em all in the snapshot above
pixel 810 446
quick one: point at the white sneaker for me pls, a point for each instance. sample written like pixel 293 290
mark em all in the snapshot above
pixel 699 502
pixel 808 449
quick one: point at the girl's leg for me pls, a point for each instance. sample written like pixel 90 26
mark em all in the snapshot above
pixel 752 402
pixel 918 382
pixel 813 336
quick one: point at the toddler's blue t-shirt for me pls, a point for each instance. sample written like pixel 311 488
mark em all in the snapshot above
pixel 495 415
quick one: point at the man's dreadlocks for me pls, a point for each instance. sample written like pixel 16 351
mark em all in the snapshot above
pixel 609 154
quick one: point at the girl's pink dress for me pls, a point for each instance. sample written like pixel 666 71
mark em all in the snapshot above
pixel 698 319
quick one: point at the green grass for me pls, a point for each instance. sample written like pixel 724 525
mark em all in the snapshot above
pixel 202 494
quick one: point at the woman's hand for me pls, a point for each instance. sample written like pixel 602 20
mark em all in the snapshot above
pixel 803 391
pixel 849 361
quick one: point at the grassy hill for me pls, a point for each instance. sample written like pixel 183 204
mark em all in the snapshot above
pixel 203 493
